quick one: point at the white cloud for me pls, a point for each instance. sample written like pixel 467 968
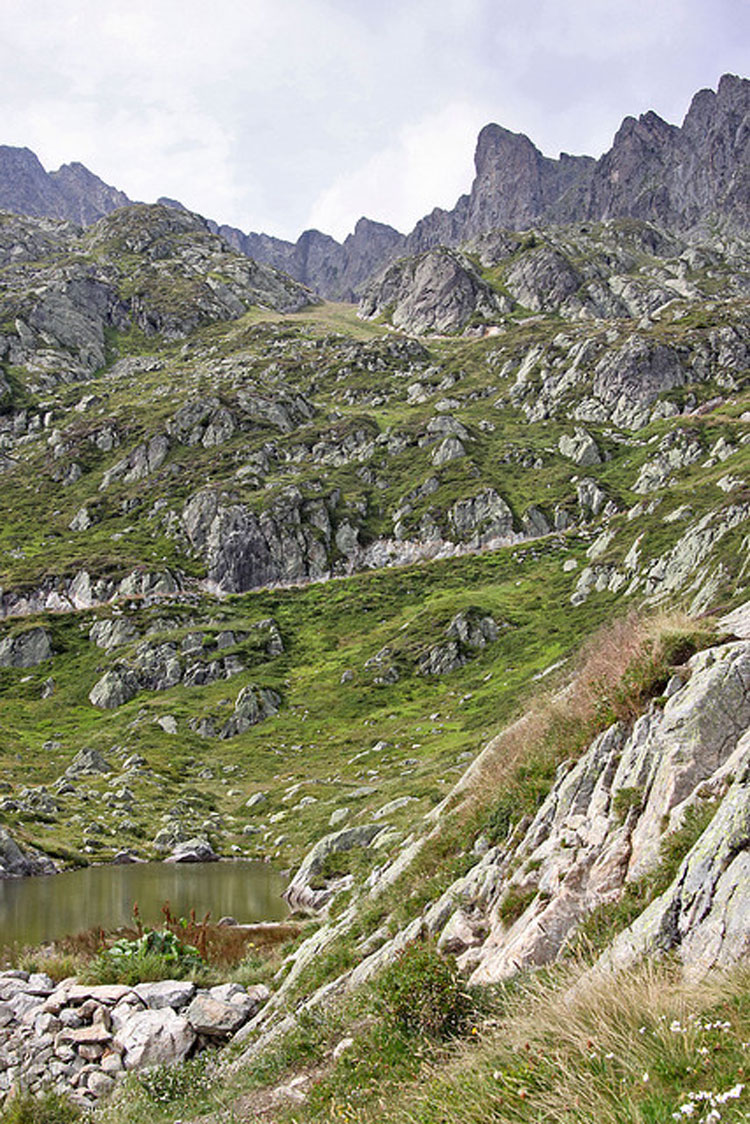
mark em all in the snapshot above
pixel 429 163
pixel 249 111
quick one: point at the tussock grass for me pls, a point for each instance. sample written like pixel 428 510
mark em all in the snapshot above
pixel 49 1109
pixel 565 1046
pixel 626 1049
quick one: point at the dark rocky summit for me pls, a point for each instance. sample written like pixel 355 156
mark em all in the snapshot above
pixel 72 192
pixel 683 178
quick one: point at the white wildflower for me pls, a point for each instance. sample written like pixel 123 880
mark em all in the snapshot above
pixel 729 1094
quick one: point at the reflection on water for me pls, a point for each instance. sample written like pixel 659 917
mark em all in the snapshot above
pixel 39 909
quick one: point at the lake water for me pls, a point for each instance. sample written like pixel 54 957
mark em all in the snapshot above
pixel 33 910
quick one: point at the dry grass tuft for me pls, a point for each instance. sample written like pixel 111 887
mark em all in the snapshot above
pixel 618 670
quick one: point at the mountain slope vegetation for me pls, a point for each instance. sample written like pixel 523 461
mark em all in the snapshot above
pixel 436 604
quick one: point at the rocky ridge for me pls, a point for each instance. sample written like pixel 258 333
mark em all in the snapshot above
pixel 682 177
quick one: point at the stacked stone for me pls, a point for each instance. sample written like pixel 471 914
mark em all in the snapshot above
pixel 79 1038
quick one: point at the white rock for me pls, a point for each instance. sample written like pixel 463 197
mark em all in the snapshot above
pixel 341 1047
pixel 158 1037
pixel 214 1017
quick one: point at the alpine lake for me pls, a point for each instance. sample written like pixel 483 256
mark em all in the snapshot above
pixel 47 907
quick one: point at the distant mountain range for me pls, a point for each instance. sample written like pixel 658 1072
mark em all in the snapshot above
pixel 696 176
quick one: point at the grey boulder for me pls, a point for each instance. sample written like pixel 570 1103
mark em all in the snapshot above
pixel 159 1037
pixel 25 649
pixel 193 851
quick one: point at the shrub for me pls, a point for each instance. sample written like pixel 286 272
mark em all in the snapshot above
pixel 420 992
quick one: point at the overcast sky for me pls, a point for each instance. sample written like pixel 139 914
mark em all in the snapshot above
pixel 279 115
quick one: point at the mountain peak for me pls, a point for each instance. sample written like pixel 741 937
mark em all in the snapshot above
pixel 72 192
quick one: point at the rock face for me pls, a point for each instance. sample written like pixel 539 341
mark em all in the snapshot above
pixel 703 915
pixel 673 176
pixel 81 592
pixel 15 863
pixel 25 649
pixel 439 291
pixel 468 633
pixel 628 380
pixel 303 892
pixel 603 825
pixel 288 542
pixel 580 448
pixel 253 705
pixel 196 661
pixel 113 689
pixel 482 518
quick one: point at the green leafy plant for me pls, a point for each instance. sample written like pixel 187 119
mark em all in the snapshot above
pixel 155 954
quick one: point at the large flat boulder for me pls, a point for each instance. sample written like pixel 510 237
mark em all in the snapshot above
pixel 215 1017
pixel 165 993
